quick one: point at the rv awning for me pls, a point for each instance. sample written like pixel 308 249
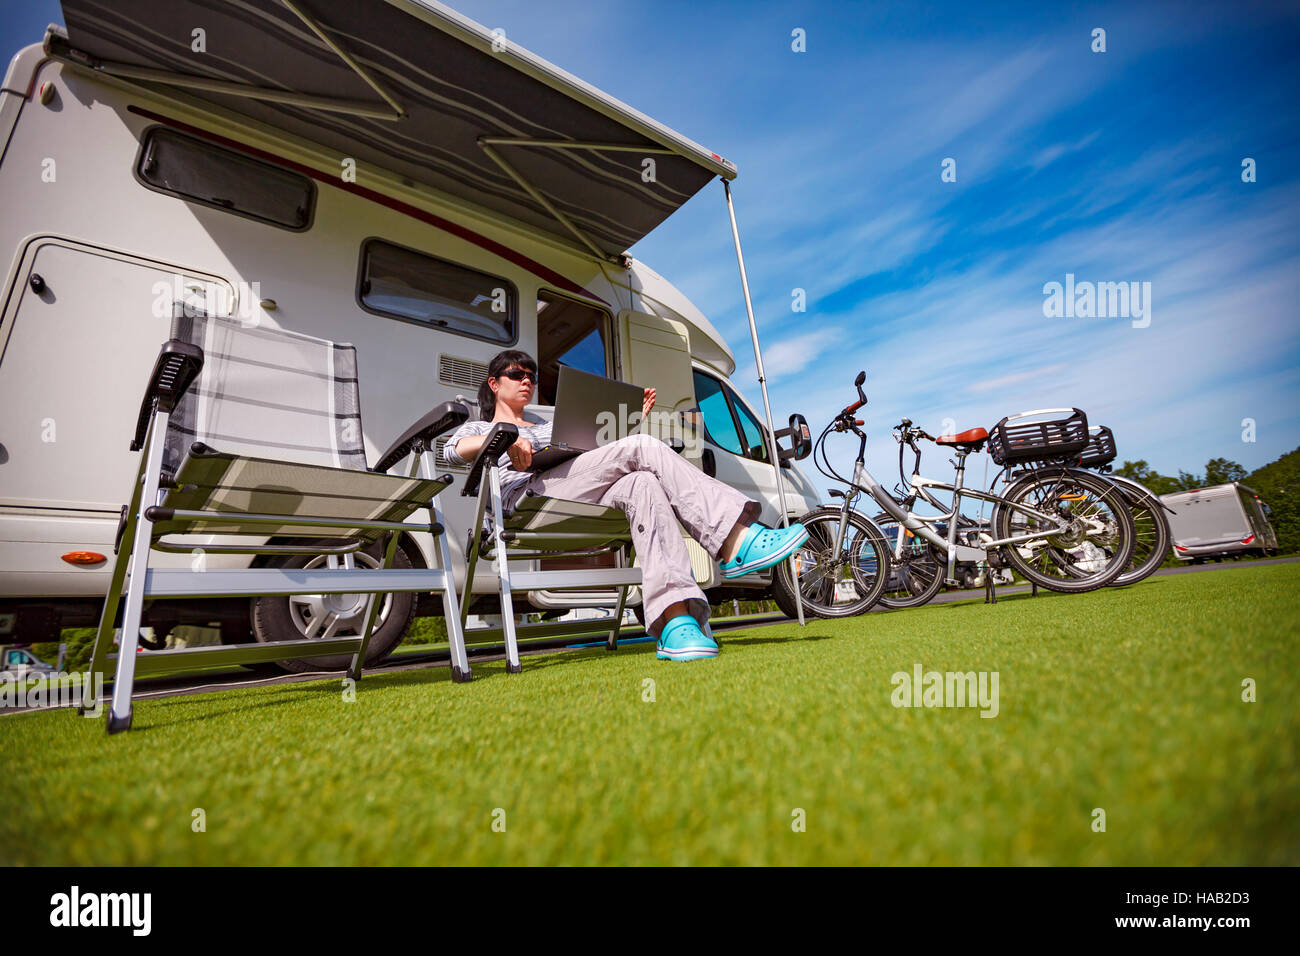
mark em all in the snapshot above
pixel 413 87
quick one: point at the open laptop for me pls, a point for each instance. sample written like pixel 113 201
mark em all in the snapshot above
pixel 581 403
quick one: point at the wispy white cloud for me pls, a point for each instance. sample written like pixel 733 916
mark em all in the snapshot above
pixel 1017 378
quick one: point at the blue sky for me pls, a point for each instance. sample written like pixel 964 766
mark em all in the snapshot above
pixel 1115 166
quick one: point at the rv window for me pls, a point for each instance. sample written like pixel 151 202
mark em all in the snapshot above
pixel 752 430
pixel 568 333
pixel 198 171
pixel 408 285
pixel 719 424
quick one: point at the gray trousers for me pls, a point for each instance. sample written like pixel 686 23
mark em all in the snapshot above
pixel 655 487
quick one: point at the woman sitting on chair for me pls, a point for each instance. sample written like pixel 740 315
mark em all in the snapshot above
pixel 650 483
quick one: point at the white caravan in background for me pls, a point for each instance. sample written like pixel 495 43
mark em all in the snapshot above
pixel 386 182
pixel 1219 522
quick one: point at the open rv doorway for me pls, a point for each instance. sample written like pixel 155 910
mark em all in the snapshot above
pixel 569 333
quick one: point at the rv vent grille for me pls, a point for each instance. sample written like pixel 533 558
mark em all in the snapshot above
pixel 459 371
pixel 441 462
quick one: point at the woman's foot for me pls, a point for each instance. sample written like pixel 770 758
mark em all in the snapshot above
pixel 763 547
pixel 682 640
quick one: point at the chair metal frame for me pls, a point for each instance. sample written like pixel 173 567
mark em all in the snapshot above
pixel 585 530
pixel 178 366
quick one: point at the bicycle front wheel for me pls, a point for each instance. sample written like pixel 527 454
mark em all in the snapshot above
pixel 1093 548
pixel 841 581
pixel 916 569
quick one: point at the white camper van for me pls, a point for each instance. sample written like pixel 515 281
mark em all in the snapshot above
pixel 385 173
pixel 1219 522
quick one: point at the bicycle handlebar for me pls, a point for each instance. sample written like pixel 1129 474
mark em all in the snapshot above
pixel 907 432
pixel 862 397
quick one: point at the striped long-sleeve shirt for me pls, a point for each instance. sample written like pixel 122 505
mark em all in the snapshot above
pixel 539 434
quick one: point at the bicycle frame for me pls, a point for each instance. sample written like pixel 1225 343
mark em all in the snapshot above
pixel 863 481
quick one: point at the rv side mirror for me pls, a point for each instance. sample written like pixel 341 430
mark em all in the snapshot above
pixel 800 439
pixel 709 463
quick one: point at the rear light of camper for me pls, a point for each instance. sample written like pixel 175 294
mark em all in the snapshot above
pixel 84 557
pixel 1179 547
pixel 1248 540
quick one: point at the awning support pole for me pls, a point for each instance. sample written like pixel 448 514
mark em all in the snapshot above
pixel 59 49
pixel 129 72
pixel 773 451
pixel 343 55
pixel 484 144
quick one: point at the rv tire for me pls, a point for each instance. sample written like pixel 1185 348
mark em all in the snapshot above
pixel 274 620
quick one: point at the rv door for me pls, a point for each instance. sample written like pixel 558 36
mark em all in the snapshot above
pixel 656 353
pixel 79 333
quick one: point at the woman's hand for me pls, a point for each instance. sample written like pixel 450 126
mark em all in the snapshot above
pixel 521 454
pixel 647 402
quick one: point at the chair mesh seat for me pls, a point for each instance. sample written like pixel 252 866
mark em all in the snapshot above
pixel 215 481
pixel 541 515
pixel 267 391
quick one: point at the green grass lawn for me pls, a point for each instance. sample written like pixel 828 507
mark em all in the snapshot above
pixel 1125 700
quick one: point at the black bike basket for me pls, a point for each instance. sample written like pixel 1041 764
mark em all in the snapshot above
pixel 1100 449
pixel 1017 438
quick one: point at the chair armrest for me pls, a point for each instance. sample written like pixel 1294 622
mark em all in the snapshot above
pixel 495 442
pixel 178 364
pixel 419 437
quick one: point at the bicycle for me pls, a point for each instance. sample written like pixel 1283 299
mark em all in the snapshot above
pixel 1060 527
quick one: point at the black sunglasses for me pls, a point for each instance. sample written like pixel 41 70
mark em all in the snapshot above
pixel 519 374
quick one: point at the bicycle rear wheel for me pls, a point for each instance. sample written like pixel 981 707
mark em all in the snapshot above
pixel 1093 549
pixel 915 572
pixel 1152 536
pixel 841 582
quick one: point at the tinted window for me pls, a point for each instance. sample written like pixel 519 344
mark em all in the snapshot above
pixel 753 432
pixel 196 170
pixel 719 426
pixel 409 285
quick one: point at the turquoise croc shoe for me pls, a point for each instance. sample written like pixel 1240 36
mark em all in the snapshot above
pixel 682 640
pixel 764 547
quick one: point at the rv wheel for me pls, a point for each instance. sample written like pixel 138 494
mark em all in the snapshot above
pixel 338 615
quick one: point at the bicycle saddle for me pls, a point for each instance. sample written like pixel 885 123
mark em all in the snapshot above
pixel 970 438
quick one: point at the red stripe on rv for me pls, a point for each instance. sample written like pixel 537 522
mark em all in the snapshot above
pixel 446 225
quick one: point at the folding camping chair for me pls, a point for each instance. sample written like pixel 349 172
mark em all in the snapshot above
pixel 539 527
pixel 256 431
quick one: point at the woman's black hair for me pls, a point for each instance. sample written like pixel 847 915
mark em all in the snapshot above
pixel 487 400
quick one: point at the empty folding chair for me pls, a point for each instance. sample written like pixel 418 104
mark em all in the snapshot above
pixel 539 527
pixel 255 432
